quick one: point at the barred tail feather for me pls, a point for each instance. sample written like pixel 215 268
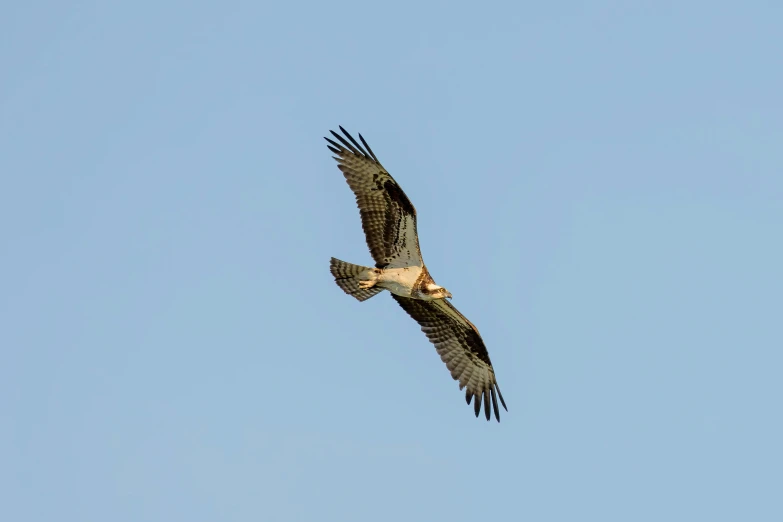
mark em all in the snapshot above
pixel 346 275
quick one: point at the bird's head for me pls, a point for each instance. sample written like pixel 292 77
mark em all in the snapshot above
pixel 438 292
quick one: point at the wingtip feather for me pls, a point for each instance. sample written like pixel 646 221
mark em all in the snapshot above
pixel 500 396
pixel 495 403
pixel 368 148
pixel 355 143
pixel 345 142
pixel 336 145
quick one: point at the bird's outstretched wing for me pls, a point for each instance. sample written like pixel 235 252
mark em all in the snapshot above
pixel 460 346
pixel 388 217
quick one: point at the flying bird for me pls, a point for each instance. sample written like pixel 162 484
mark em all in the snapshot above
pixel 389 223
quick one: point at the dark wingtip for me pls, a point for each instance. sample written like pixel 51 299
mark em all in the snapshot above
pixel 347 145
pixel 353 146
pixel 335 145
pixel 500 396
pixel 495 403
pixel 355 143
pixel 368 148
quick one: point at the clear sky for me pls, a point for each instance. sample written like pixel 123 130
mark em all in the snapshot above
pixel 599 184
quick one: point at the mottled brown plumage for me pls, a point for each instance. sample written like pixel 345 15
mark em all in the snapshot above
pixel 389 223
pixel 460 346
pixel 388 217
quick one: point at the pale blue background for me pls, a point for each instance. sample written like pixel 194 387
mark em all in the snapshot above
pixel 600 184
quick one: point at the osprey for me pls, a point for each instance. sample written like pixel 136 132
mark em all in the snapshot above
pixel 389 223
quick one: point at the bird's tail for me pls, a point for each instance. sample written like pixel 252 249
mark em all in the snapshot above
pixel 347 277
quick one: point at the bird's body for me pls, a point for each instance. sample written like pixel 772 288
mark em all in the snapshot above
pixel 408 281
pixel 400 281
pixel 389 223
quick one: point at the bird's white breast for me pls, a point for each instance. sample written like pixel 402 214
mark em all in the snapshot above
pixel 399 281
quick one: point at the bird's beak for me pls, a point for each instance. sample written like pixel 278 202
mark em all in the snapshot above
pixel 449 296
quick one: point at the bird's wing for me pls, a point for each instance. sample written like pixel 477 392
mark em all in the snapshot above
pixel 460 346
pixel 388 217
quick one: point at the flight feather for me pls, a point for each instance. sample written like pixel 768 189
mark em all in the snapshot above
pixel 388 217
pixel 461 347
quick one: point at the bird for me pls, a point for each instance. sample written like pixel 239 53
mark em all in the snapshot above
pixel 389 222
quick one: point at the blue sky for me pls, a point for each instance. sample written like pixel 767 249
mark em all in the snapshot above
pixel 599 184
